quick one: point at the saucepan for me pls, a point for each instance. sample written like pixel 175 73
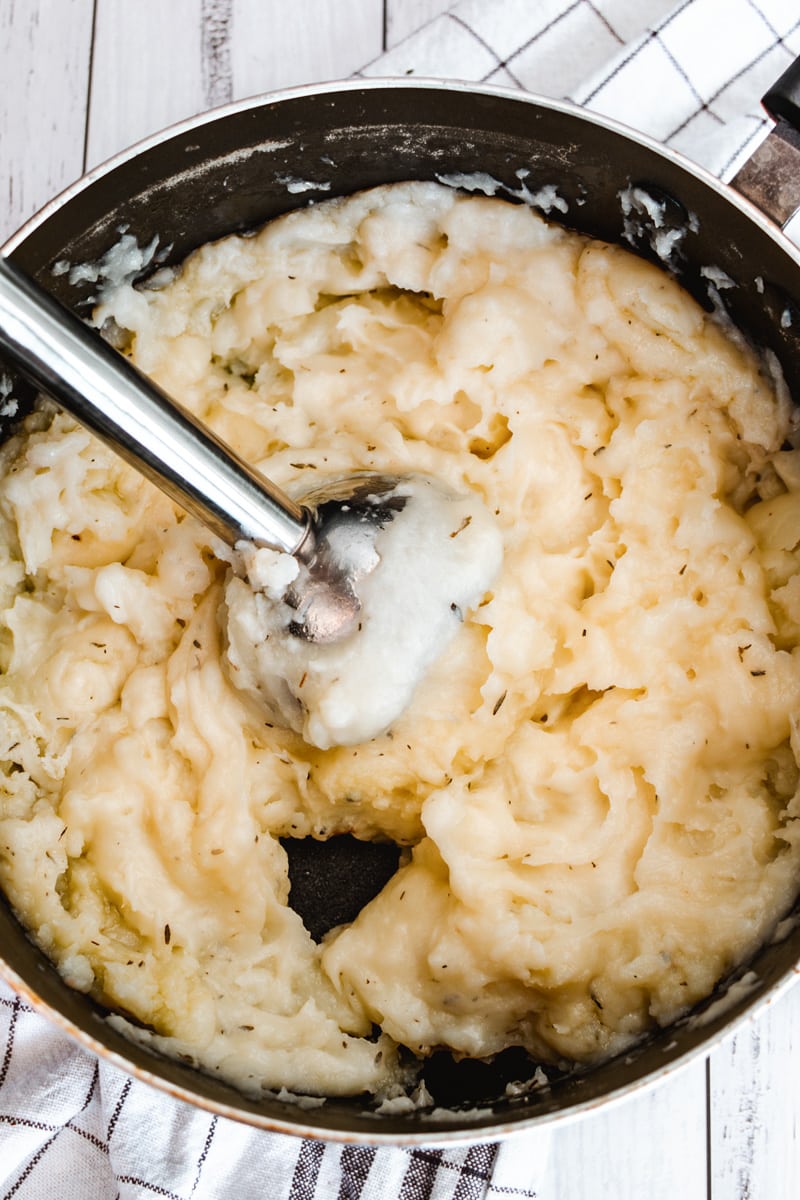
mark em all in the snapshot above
pixel 232 170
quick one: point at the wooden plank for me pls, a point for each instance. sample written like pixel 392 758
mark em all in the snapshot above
pixel 216 33
pixel 755 1102
pixel 147 71
pixel 651 1145
pixel 157 63
pixel 44 53
pixel 306 41
pixel 404 17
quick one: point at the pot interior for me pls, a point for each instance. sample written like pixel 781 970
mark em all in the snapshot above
pixel 248 164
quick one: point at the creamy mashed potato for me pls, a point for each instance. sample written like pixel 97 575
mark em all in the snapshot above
pixel 598 783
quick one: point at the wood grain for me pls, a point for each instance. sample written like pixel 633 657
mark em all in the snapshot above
pixel 44 60
pixel 311 41
pixel 226 49
pixel 755 1103
pixel 147 71
pixel 216 32
pixel 651 1145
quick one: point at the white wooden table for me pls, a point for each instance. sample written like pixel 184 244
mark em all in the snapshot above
pixel 81 79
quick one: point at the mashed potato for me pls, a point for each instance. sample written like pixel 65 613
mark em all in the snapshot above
pixel 597 784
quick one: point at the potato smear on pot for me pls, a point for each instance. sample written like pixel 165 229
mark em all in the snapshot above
pixel 595 786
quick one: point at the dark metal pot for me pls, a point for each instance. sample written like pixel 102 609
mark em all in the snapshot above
pixel 233 170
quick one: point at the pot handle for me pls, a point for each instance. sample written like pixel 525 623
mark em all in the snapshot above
pixel 782 101
pixel 771 176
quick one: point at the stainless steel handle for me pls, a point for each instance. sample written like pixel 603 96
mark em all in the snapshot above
pixel 102 389
pixel 771 176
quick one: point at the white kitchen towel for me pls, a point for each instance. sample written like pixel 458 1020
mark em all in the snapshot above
pixel 689 74
pixel 73 1128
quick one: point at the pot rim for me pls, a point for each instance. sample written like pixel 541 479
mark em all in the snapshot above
pixel 392 83
pixel 446 1138
pixel 721 1025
